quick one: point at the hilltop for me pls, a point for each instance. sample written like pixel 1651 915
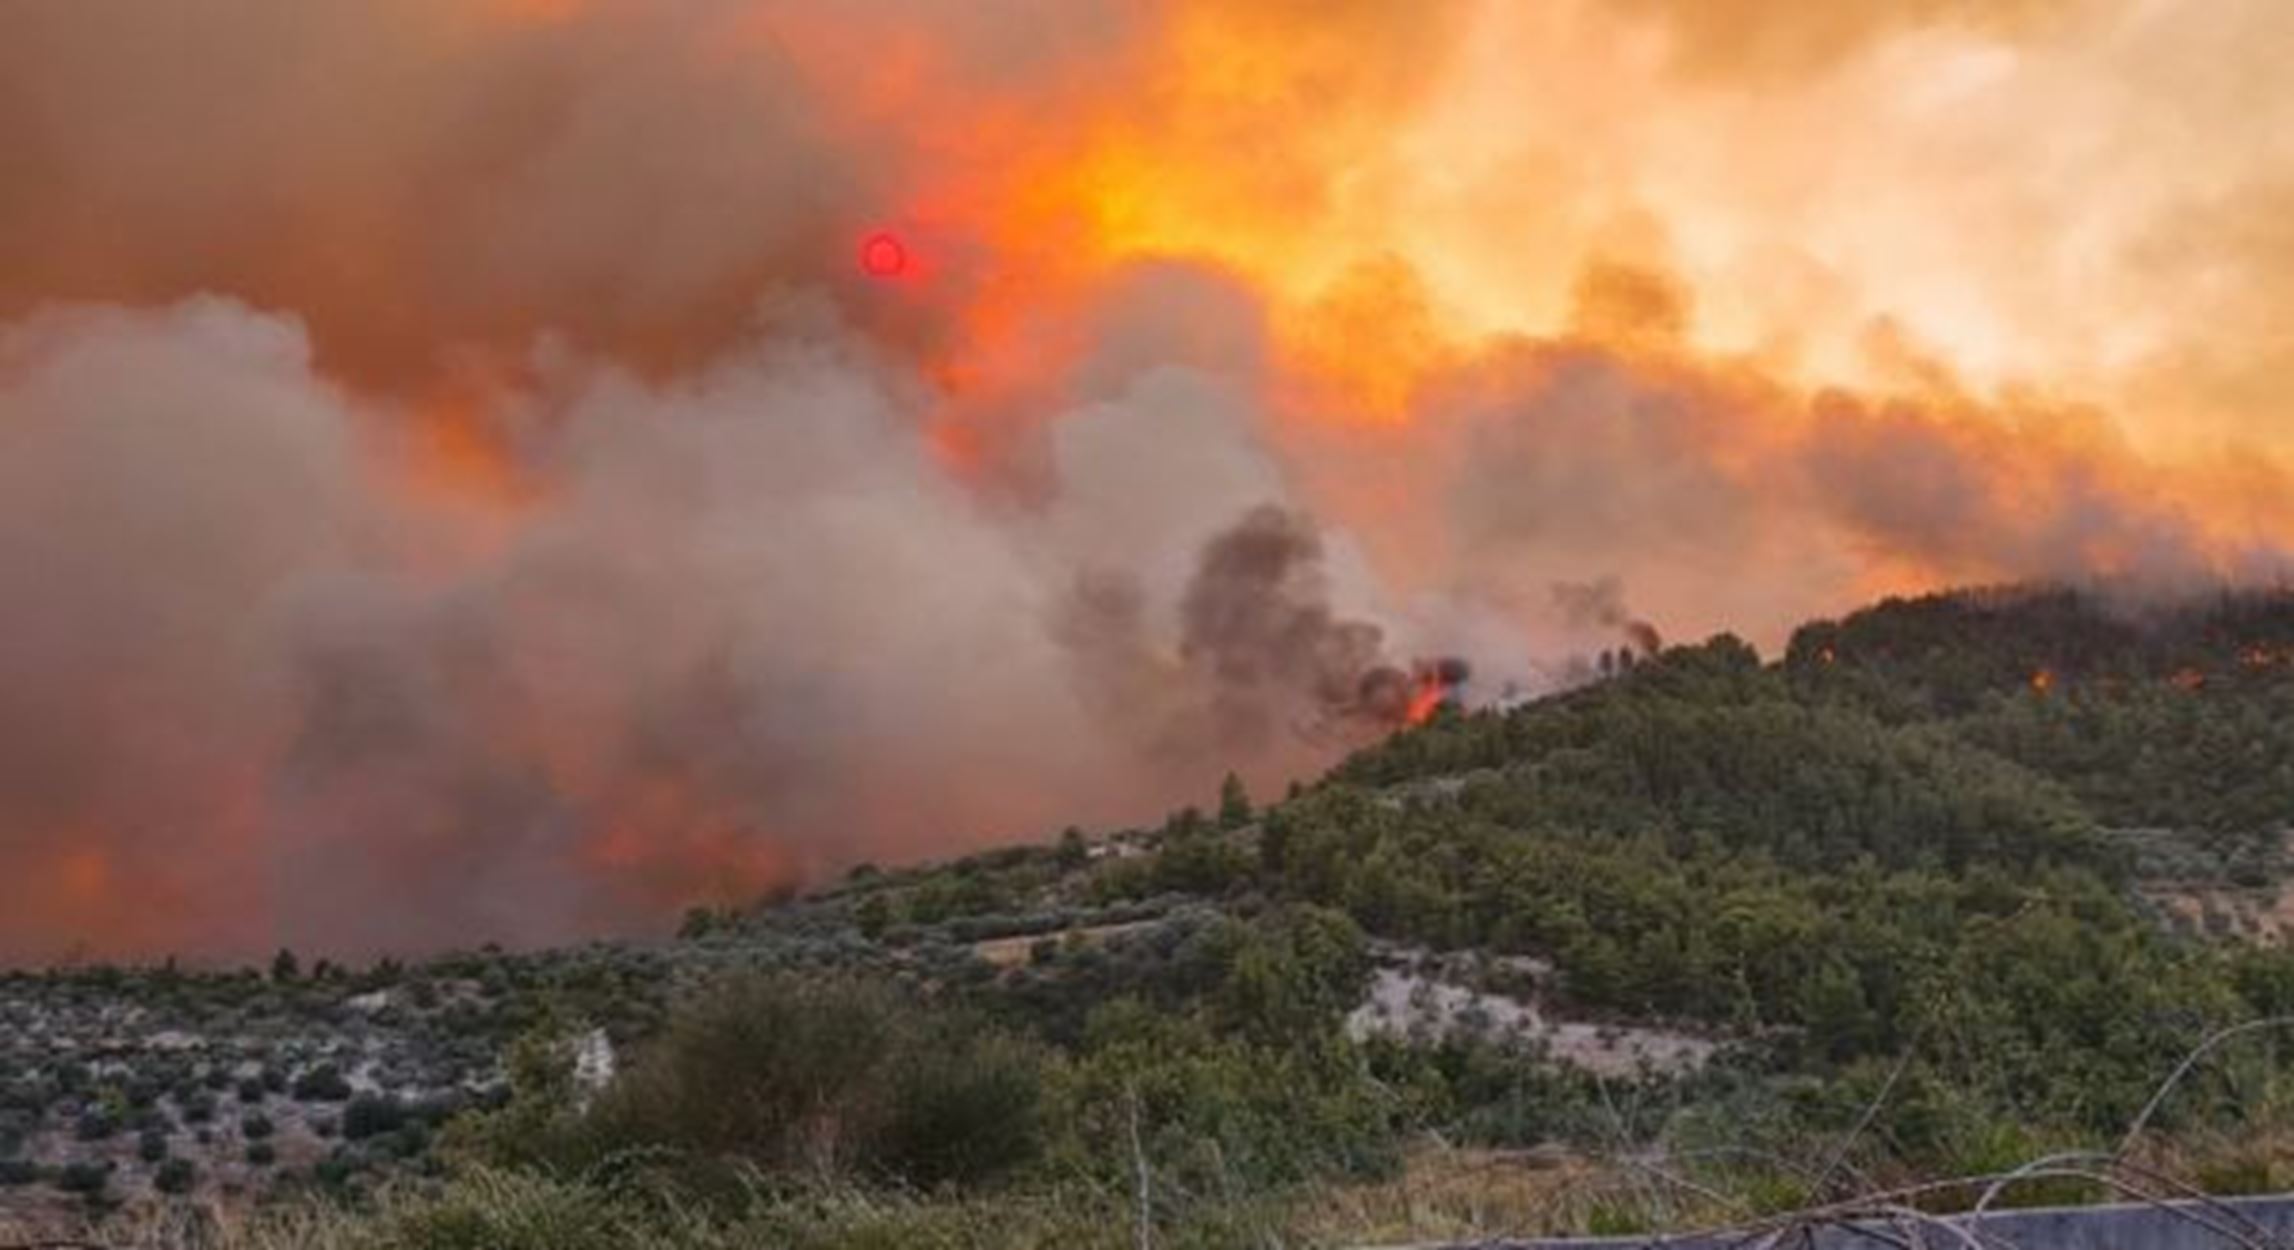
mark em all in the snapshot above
pixel 1952 882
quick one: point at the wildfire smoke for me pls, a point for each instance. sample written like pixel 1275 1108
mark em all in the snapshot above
pixel 508 469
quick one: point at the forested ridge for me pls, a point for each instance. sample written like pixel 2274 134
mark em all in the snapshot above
pixel 1909 832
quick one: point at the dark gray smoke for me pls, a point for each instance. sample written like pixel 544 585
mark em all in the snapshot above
pixel 1259 669
pixel 1601 603
pixel 1257 619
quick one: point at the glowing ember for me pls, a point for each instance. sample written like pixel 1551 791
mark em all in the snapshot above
pixel 883 256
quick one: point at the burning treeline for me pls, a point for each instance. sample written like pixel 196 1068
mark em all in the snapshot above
pixel 462 478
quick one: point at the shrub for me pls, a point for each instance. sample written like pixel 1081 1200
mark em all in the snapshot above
pixel 338 1169
pixel 370 1115
pixel 151 1147
pixel 256 1127
pixel 1213 1111
pixel 262 1154
pixel 806 1076
pixel 324 1083
pixel 963 1110
pixel 175 1176
pixel 84 1177
pixel 14 1172
pixel 408 1142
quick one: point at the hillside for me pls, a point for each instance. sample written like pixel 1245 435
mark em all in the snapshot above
pixel 1952 883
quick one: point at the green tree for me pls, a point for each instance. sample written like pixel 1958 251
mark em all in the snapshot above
pixel 873 914
pixel 1234 803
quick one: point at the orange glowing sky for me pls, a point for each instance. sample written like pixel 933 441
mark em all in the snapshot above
pixel 2081 203
pixel 2055 227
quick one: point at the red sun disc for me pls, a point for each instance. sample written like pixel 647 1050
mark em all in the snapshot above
pixel 882 256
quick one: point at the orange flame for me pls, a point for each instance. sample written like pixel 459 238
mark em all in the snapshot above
pixel 1431 687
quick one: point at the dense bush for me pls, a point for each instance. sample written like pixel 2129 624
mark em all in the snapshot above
pixel 84 1177
pixel 1213 1109
pixel 804 1076
pixel 175 1176
pixel 370 1115
pixel 324 1083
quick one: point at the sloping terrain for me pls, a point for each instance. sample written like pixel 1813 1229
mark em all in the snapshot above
pixel 1953 881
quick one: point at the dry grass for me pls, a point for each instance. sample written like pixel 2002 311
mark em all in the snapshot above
pixel 1445 1194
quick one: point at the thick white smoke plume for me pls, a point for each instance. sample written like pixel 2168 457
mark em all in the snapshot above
pixel 754 632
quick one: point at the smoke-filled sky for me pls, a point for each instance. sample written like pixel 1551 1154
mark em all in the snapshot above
pixel 466 472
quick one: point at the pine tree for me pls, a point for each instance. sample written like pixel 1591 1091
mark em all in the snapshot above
pixel 1234 803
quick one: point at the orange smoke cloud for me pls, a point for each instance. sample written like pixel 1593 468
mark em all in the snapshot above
pixel 471 450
